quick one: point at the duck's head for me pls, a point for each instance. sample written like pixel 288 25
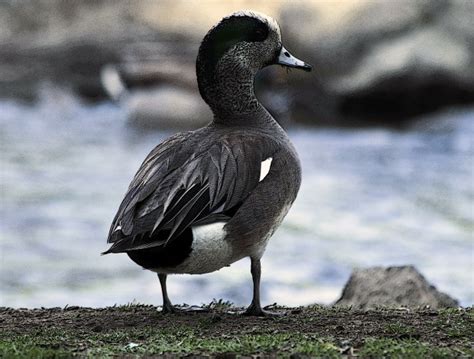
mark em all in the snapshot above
pixel 233 51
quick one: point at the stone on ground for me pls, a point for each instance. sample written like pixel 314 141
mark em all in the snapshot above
pixel 392 287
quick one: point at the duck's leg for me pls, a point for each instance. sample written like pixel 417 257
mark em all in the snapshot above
pixel 167 306
pixel 255 307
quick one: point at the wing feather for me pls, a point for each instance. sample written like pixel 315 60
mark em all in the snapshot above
pixel 178 187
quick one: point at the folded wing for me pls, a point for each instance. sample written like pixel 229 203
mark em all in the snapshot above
pixel 178 187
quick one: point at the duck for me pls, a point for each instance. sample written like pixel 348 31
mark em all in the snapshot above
pixel 204 199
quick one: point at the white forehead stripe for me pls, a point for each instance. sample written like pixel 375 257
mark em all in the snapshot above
pixel 265 168
pixel 262 17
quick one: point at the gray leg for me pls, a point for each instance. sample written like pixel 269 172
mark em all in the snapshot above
pixel 167 306
pixel 255 307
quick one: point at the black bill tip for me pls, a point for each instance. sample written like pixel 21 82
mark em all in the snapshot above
pixel 306 67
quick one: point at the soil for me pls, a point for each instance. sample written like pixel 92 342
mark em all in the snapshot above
pixel 347 329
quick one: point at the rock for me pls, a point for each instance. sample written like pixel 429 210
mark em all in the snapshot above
pixel 70 45
pixel 67 44
pixel 379 61
pixel 392 287
pixel 375 61
pixel 163 97
pixel 173 71
pixel 167 107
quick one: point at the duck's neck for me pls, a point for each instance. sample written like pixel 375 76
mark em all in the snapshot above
pixel 231 96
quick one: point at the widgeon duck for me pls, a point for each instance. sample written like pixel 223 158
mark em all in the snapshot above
pixel 204 199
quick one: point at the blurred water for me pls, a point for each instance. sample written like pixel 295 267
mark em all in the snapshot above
pixel 369 197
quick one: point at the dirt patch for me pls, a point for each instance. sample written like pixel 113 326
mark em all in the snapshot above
pixel 138 329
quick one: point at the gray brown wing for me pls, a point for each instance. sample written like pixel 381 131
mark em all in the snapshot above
pixel 178 186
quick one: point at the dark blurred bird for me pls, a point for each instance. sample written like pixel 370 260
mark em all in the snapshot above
pixel 204 199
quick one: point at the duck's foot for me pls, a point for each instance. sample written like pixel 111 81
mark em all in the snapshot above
pixel 257 311
pixel 169 308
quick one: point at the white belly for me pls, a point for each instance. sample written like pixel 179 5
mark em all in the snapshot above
pixel 210 251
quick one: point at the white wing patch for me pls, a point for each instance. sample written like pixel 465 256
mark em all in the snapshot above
pixel 265 168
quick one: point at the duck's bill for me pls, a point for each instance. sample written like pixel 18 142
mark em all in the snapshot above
pixel 288 60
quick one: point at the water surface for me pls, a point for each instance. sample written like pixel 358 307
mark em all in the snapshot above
pixel 369 197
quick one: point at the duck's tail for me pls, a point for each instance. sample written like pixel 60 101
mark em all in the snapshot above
pixel 112 82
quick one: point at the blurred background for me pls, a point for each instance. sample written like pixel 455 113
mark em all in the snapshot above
pixel 384 126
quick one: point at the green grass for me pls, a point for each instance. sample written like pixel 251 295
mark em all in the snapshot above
pixel 406 349
pixel 55 344
pixel 441 334
pixel 400 330
pixel 452 327
pixel 24 347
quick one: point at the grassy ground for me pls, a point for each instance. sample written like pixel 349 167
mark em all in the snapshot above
pixel 138 330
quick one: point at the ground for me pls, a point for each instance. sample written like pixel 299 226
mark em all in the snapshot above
pixel 313 331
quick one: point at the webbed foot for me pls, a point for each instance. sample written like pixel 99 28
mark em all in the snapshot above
pixel 257 311
pixel 169 308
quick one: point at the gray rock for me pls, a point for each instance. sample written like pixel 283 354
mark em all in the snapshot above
pixel 167 107
pixel 392 287
pixel 67 43
pixel 70 45
pixel 384 61
pixel 161 97
pixel 375 61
